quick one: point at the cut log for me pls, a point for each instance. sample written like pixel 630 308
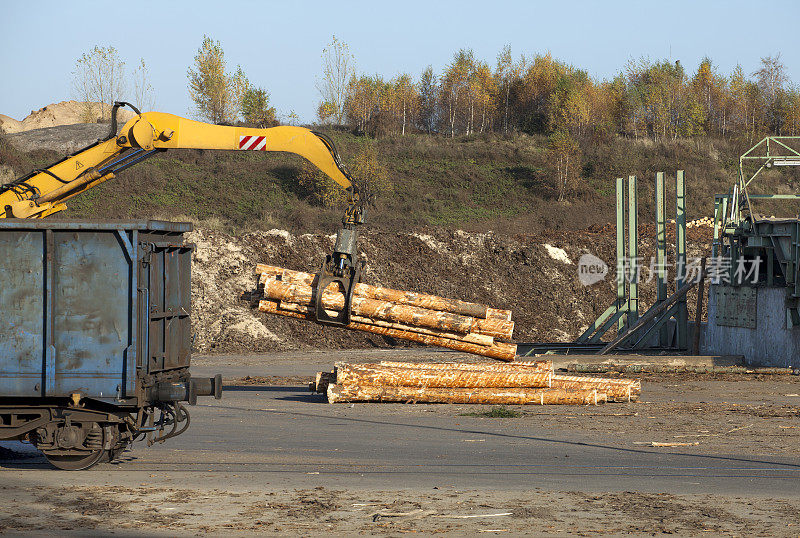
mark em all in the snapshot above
pixel 515 366
pixel 497 396
pixel 409 298
pixel 360 375
pixel 286 275
pixel 370 308
pixel 480 339
pixel 500 351
pixel 498 314
pixel 626 390
pixel 421 300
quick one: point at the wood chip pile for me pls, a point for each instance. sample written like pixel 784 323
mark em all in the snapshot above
pixel 426 319
pixel 516 383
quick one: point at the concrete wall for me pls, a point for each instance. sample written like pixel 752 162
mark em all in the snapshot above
pixel 769 344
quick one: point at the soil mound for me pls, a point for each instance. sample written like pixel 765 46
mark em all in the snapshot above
pixel 518 273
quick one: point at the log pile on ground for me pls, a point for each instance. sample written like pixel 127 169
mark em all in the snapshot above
pixel 517 383
pixel 417 317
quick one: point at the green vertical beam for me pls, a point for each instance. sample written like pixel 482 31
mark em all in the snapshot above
pixel 633 252
pixel 620 248
pixel 724 216
pixel 680 257
pixel 661 252
pixel 717 224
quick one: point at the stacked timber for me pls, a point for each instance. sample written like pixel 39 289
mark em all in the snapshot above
pixel 517 383
pixel 417 317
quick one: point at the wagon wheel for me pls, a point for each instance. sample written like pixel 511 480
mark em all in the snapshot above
pixel 77 461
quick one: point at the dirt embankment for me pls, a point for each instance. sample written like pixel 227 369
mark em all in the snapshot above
pixel 535 276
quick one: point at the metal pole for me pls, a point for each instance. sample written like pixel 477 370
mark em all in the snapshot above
pixel 621 250
pixel 661 252
pixel 715 242
pixel 633 252
pixel 680 256
pixel 698 314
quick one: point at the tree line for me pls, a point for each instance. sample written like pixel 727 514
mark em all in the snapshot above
pixel 540 94
pixel 530 94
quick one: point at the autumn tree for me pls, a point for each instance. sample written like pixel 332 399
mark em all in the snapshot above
pixel 324 111
pixel 405 99
pixel 217 95
pixel 338 68
pixel 482 96
pixel 455 84
pixel 256 109
pixel 427 100
pixel 365 167
pixel 99 77
pixel 143 93
pixel 771 80
pixel 533 93
pixel 362 105
pixel 792 123
pixel 737 99
pixel 371 174
pixel 565 152
pixel 568 106
pixel 504 74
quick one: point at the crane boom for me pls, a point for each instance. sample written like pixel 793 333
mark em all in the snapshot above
pixel 44 191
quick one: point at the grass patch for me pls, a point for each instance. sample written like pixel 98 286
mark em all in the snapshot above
pixel 495 412
pixel 475 183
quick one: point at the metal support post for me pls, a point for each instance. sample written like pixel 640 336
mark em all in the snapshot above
pixel 633 252
pixel 661 252
pixel 621 250
pixel 680 257
pixel 717 225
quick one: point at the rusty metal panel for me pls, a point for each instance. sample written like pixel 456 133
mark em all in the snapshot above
pixel 21 317
pixel 169 278
pixel 91 308
pixel 78 300
pixel 736 306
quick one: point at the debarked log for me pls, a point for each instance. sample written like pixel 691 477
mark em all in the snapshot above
pixel 625 390
pixel 356 374
pixel 496 396
pixel 374 309
pixel 409 298
pixel 472 338
pixel 509 366
pixel 500 351
pixel 287 275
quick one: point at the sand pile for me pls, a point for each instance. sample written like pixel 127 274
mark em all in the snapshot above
pixel 9 125
pixel 63 113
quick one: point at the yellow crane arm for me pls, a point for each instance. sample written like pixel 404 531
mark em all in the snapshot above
pixel 43 192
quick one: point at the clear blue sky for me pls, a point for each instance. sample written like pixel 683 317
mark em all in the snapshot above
pixel 278 44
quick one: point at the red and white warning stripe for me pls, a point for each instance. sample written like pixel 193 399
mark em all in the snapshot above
pixel 256 143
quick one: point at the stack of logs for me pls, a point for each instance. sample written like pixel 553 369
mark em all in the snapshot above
pixel 426 319
pixel 517 383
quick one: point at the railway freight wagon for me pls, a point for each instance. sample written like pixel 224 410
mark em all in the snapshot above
pixel 95 336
